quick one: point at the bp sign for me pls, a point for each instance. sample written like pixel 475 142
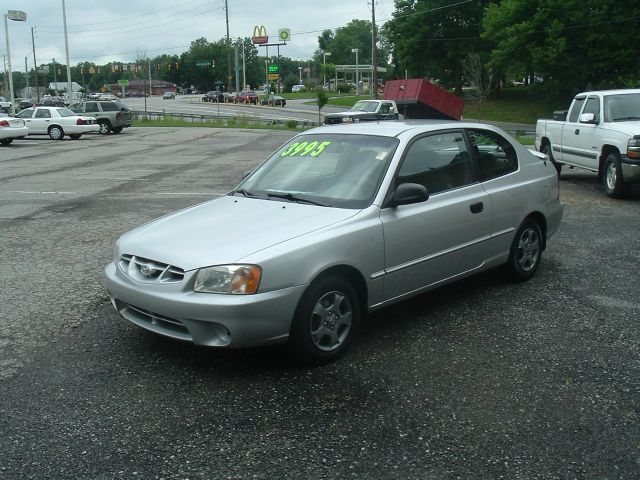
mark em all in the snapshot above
pixel 284 34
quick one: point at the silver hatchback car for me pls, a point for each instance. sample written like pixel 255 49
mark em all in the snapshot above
pixel 338 222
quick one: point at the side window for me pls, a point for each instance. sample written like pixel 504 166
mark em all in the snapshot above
pixel 494 154
pixel 76 107
pixel 109 107
pixel 593 106
pixel 384 108
pixel 28 113
pixel 440 162
pixel 91 107
pixel 43 113
pixel 575 109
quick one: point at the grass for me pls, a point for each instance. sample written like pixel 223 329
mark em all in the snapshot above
pixel 218 123
pixel 347 100
pixel 516 105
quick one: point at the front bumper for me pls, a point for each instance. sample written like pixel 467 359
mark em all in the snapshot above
pixel 630 169
pixel 176 311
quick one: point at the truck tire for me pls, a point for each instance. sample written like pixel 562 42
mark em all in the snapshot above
pixel 612 180
pixel 548 151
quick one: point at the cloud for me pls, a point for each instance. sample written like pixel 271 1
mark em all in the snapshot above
pixel 117 30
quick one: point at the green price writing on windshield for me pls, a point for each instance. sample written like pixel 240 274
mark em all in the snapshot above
pixel 303 149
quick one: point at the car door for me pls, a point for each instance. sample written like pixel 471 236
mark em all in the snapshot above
pixel 430 242
pixel 497 164
pixel 575 149
pixel 587 136
pixel 41 120
pixel 27 116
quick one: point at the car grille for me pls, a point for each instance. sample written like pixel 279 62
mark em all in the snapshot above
pixel 144 270
pixel 141 316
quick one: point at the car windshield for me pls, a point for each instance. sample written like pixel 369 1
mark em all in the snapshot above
pixel 621 108
pixel 65 112
pixel 365 106
pixel 335 170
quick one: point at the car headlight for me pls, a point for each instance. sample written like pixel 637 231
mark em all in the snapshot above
pixel 633 148
pixel 228 279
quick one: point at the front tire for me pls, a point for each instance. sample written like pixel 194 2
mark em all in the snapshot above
pixel 6 141
pixel 325 321
pixel 526 252
pixel 105 127
pixel 56 133
pixel 548 151
pixel 612 179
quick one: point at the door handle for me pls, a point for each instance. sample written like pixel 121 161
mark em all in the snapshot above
pixel 476 207
pixel 577 132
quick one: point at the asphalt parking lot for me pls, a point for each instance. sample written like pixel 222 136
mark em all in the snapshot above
pixel 481 379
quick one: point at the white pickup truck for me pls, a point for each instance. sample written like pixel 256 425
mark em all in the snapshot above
pixel 601 133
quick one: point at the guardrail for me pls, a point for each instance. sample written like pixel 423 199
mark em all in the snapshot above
pixel 222 119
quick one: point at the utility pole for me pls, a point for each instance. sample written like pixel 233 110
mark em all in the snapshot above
pixel 26 71
pixel 374 56
pixel 35 65
pixel 226 11
pixel 66 48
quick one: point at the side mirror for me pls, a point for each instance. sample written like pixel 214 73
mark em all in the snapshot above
pixel 246 174
pixel 408 193
pixel 587 118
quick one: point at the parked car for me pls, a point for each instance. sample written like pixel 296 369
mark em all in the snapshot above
pixel 601 134
pixel 57 122
pixel 247 97
pixel 213 96
pixel 336 223
pixel 168 96
pixel 274 101
pixel 53 101
pixel 5 105
pixel 28 103
pixel 298 88
pixel 111 116
pixel 11 128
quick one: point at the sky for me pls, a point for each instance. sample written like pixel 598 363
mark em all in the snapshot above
pixel 120 30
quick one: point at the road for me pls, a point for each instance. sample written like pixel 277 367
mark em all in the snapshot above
pixel 193 104
pixel 481 379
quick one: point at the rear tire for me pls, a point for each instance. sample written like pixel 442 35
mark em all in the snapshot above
pixel 117 130
pixel 75 136
pixel 6 141
pixel 325 321
pixel 612 179
pixel 548 151
pixel 526 252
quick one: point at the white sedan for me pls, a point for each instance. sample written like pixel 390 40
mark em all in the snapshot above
pixel 11 128
pixel 57 122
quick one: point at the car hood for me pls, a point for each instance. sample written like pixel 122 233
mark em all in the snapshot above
pixel 225 230
pixel 349 113
pixel 629 128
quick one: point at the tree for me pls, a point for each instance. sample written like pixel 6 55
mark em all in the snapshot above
pixel 568 44
pixel 432 37
pixel 479 77
pixel 321 100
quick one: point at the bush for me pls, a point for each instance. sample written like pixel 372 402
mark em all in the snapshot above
pixel 344 88
pixel 292 124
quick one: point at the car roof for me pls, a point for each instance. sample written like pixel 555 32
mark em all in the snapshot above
pixel 394 128
pixel 622 91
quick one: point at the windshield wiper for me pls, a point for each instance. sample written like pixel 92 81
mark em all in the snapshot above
pixel 244 192
pixel 294 198
pixel 625 118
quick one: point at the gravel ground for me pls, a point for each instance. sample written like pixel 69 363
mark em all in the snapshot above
pixel 480 379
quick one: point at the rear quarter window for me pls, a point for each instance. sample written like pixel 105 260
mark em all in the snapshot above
pixel 109 107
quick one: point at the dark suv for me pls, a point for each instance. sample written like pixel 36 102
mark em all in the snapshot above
pixel 213 96
pixel 111 116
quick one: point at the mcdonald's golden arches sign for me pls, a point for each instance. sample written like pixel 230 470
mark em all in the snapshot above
pixel 259 35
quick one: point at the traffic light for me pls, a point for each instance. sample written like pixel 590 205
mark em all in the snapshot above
pixel 157 66
pixel 168 66
pixel 213 63
pixel 177 66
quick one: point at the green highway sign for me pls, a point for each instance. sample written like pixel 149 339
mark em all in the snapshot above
pixel 273 69
pixel 124 83
pixel 205 63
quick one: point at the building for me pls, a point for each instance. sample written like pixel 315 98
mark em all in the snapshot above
pixel 62 86
pixel 138 88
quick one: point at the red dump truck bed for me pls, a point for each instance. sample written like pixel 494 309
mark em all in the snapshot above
pixel 418 98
